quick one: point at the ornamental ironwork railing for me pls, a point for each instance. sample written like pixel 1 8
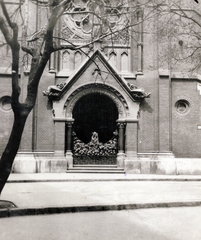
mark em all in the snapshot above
pixel 94 149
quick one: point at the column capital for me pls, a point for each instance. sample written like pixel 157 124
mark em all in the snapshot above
pixel 69 124
pixel 121 124
pixel 59 119
pixel 121 120
pixel 70 120
pixel 129 120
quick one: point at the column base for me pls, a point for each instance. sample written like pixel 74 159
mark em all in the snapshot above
pixel 120 159
pixel 58 163
pixel 69 158
pixel 132 163
pixel 132 166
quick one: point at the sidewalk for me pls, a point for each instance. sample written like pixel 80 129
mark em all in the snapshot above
pixel 45 177
pixel 67 192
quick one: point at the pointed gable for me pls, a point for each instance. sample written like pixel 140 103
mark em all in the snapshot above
pixel 95 70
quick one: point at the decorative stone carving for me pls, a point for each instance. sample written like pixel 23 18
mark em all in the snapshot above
pixel 89 19
pixel 96 88
pixel 54 90
pixel 137 93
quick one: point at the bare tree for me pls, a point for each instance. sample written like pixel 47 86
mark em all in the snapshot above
pixel 44 42
pixel 40 56
pixel 179 34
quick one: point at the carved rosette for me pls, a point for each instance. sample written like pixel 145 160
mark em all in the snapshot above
pixel 91 19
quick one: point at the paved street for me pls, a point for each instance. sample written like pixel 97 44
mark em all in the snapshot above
pixel 39 193
pixel 146 224
pixel 45 194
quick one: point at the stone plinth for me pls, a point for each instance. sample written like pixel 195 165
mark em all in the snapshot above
pixel 24 163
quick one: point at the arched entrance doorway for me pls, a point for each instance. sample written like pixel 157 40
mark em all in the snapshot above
pixel 95 139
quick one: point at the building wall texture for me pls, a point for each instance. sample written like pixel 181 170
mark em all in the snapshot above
pixel 168 124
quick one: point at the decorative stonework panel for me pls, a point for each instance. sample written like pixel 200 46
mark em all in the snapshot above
pixel 92 19
pixel 96 24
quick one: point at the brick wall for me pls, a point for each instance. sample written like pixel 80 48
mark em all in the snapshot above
pixel 186 138
pixel 6 116
pixel 45 125
pixel 148 118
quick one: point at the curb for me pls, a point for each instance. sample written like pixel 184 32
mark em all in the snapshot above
pixel 108 180
pixel 16 212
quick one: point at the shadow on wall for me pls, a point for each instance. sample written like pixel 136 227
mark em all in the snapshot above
pixel 145 107
pixel 49 105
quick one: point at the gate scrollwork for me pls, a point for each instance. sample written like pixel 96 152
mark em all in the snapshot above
pixel 95 148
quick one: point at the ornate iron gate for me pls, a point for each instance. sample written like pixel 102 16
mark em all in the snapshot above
pixel 95 152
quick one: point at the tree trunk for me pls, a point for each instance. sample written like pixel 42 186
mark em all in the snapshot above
pixel 12 147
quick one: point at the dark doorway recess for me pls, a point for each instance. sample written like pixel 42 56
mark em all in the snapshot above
pixel 95 112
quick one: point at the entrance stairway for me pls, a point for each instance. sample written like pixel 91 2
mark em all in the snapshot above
pixel 95 169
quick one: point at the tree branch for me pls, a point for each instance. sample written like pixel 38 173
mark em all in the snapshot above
pixel 5 31
pixel 5 12
pixel 27 50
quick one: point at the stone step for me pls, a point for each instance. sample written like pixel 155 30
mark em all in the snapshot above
pixel 95 169
pixel 72 170
pixel 101 169
pixel 94 166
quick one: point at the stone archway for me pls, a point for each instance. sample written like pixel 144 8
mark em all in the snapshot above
pixel 102 89
pixel 95 112
pixel 95 130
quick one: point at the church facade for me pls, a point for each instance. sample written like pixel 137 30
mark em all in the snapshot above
pixel 109 104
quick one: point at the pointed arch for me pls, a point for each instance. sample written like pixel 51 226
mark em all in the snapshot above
pixel 124 62
pixel 66 60
pixel 77 59
pixel 113 58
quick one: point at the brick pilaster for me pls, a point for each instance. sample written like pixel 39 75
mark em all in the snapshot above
pixel 164 114
pixel 59 145
pixel 131 139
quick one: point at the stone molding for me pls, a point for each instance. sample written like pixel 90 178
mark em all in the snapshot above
pixel 116 97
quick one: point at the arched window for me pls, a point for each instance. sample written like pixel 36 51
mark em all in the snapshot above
pixel 66 60
pixel 113 59
pixel 77 59
pixel 124 62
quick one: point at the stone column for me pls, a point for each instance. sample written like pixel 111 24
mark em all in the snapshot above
pixel 51 63
pixel 140 41
pixel 69 155
pixel 121 144
pixel 139 69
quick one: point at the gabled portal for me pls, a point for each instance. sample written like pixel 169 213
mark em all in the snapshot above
pixel 96 115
